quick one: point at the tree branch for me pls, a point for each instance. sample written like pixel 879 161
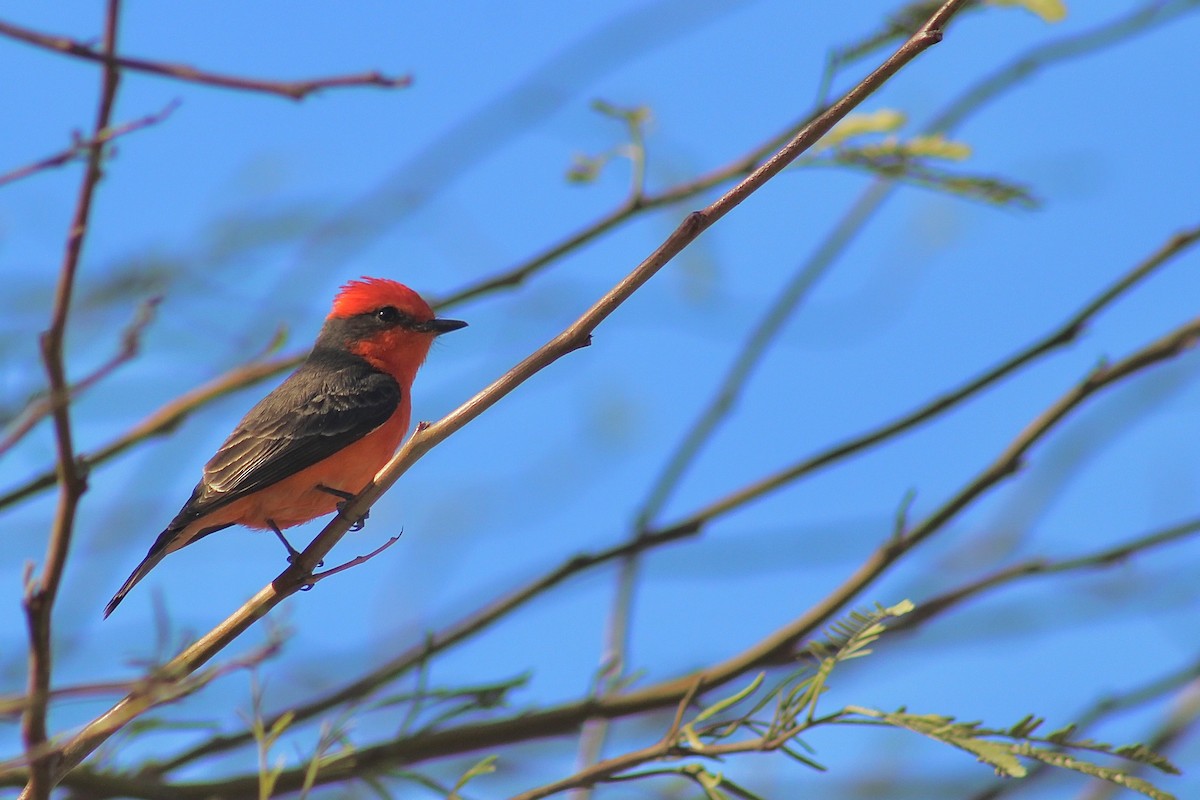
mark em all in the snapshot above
pixel 82 147
pixel 164 420
pixel 294 90
pixel 131 341
pixel 41 593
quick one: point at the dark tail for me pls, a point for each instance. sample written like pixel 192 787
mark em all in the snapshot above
pixel 170 540
pixel 157 553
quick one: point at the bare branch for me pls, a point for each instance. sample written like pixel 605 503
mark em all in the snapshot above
pixel 776 647
pixel 82 147
pixel 295 90
pixel 1100 559
pixel 1065 334
pixel 41 593
pixel 354 562
pixel 131 340
pixel 164 420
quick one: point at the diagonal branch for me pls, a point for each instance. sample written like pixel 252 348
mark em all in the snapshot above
pixel 164 420
pixel 617 628
pixel 1138 21
pixel 131 342
pixel 295 90
pixel 79 148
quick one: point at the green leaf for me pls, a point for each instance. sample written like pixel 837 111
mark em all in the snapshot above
pixel 937 146
pixel 484 767
pixel 848 638
pixel 721 705
pixel 585 168
pixel 1048 10
pixel 963 735
pixel 854 125
pixel 1115 776
pixel 1144 755
pixel 1003 755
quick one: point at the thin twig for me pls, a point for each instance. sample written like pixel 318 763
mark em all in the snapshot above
pixel 164 420
pixel 354 562
pixel 131 341
pixel 413 656
pixel 41 593
pixel 1138 21
pixel 574 337
pixel 152 787
pixel 82 147
pixel 295 90
pixel 617 632
pixel 1006 576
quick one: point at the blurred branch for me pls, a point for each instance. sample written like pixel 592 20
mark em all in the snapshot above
pixel 872 198
pixel 433 644
pixel 165 690
pixel 41 592
pixel 577 335
pixel 1065 334
pixel 131 340
pixel 636 202
pixel 15 704
pixel 617 630
pixel 1099 559
pixel 82 146
pixel 1137 697
pixel 1148 16
pixel 164 420
pixel 295 90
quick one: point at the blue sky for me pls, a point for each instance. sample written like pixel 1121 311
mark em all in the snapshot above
pixel 247 211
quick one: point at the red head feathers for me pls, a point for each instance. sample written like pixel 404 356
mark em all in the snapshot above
pixel 368 294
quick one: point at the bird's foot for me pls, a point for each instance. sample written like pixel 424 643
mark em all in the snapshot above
pixel 293 553
pixel 359 523
pixel 346 497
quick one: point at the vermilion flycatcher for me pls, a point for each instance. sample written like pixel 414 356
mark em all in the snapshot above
pixel 319 438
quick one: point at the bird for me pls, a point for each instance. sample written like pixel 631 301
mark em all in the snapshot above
pixel 321 436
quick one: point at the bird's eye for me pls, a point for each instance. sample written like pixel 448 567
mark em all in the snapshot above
pixel 388 315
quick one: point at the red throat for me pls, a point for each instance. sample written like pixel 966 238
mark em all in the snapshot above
pixel 397 352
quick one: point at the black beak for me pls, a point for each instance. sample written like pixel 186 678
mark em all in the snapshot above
pixel 440 326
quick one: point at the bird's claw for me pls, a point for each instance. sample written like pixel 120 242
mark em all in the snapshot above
pixel 359 523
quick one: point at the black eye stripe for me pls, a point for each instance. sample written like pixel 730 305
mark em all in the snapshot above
pixel 390 315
